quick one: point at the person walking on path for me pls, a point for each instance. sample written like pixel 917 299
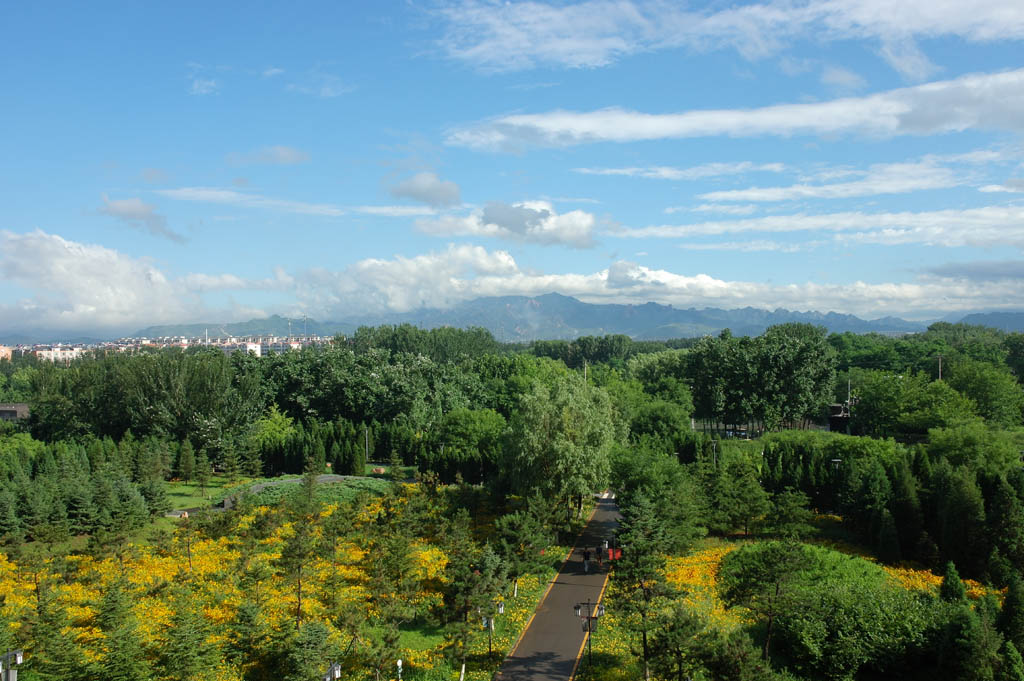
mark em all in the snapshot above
pixel 600 558
pixel 586 560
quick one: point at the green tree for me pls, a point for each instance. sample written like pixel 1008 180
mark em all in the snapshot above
pixel 186 651
pixel 522 539
pixel 124 655
pixel 186 461
pixel 1011 616
pixel 560 440
pixel 952 588
pixel 638 583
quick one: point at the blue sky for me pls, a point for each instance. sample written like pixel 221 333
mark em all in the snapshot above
pixel 201 162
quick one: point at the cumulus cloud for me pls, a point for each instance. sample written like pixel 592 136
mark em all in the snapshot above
pixel 427 188
pixel 529 221
pixel 882 178
pixel 988 226
pixel 274 155
pixel 592 33
pixel 140 215
pixel 461 273
pixel 83 286
pixel 976 101
pixel 80 286
pixel 692 173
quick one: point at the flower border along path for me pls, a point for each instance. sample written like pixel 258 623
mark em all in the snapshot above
pixel 552 643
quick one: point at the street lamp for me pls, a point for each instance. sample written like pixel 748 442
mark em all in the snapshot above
pixel 7 662
pixel 594 612
pixel 399 670
pixel 333 673
pixel 487 622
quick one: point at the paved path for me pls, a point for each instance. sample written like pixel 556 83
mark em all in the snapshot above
pixel 553 639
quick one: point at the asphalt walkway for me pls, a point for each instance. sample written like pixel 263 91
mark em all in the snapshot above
pixel 553 641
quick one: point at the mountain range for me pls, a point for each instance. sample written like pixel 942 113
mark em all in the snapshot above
pixel 554 316
pixel 549 316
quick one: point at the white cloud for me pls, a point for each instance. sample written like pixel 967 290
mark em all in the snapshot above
pixel 989 226
pixel 83 286
pixel 232 197
pixel 903 54
pixel 461 273
pixel 89 287
pixel 273 155
pixel 530 221
pixel 512 36
pixel 427 188
pixel 140 215
pixel 882 178
pixel 394 211
pixel 1014 185
pixel 322 85
pixel 203 86
pixel 248 200
pixel 748 246
pixel 692 173
pixel 977 101
pixel 725 209
pixel 841 79
pixel 272 71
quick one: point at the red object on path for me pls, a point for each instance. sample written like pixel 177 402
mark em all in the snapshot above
pixel 614 554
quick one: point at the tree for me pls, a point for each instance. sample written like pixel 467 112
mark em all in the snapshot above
pixel 522 539
pixel 124 656
pixel 55 656
pixel 1012 666
pixel 1011 617
pixel 789 516
pixel 186 461
pixel 560 440
pixel 762 577
pixel 638 577
pixel 952 588
pixel 186 651
pixel 203 470
pixel 674 645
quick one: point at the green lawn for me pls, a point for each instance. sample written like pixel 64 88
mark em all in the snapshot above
pixel 189 495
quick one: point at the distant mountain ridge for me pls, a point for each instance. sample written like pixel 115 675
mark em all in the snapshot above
pixel 555 316
pixel 1006 321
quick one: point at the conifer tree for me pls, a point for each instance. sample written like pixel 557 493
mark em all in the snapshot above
pixel 186 651
pixel 203 470
pixel 186 461
pixel 1012 666
pixel 952 588
pixel 124 656
pixel 1011 617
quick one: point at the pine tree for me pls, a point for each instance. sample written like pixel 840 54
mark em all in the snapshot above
pixel 952 588
pixel 203 470
pixel 186 461
pixel 1012 666
pixel 124 656
pixel 55 656
pixel 186 651
pixel 1011 617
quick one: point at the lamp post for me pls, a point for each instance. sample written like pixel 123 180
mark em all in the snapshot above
pixel 594 612
pixel 399 670
pixel 7 662
pixel 334 672
pixel 488 624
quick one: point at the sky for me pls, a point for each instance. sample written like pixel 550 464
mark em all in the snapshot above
pixel 214 162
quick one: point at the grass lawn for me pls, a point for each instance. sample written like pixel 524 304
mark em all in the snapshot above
pixel 189 495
